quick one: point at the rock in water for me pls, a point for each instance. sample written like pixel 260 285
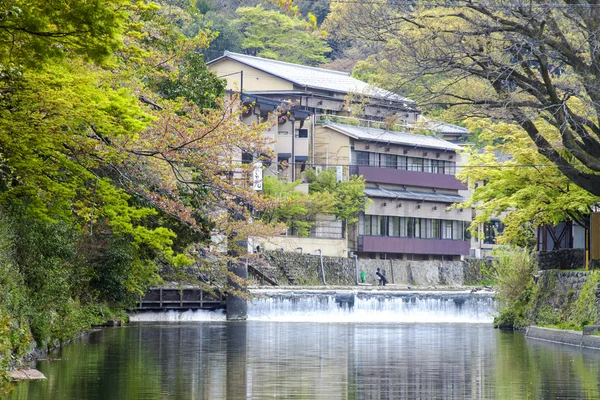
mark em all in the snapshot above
pixel 25 374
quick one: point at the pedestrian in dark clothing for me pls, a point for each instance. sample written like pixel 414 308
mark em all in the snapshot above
pixel 381 277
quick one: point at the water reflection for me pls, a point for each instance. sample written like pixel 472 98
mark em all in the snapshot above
pixel 259 360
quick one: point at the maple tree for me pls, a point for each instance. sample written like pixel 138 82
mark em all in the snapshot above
pixel 120 157
pixel 511 180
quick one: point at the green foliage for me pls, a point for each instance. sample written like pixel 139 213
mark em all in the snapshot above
pixel 35 31
pixel 272 34
pixel 514 270
pixel 296 209
pixel 194 82
pixel 326 195
pixel 525 197
pixel 584 310
pixel 349 196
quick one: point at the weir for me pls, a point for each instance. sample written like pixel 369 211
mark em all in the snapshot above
pixel 350 306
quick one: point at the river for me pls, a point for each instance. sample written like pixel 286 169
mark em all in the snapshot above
pixel 275 355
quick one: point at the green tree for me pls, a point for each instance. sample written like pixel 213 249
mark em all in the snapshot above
pixel 535 65
pixel 272 34
pixel 510 179
pixel 33 31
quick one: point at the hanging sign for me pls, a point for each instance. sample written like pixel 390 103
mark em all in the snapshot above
pixel 257 177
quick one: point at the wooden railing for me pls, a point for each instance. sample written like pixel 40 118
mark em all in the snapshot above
pixel 186 298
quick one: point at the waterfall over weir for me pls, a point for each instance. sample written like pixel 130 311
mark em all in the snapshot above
pixel 350 306
pixel 369 306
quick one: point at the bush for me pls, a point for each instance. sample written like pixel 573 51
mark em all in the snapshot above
pixel 514 269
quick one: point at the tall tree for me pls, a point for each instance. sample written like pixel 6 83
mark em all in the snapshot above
pixel 272 34
pixel 511 180
pixel 517 61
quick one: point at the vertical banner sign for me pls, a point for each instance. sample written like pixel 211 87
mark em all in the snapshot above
pixel 339 173
pixel 257 177
pixel 595 236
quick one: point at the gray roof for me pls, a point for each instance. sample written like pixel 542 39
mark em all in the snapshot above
pixel 413 195
pixel 443 127
pixel 384 136
pixel 317 78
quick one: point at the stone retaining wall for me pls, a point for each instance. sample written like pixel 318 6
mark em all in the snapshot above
pixel 304 270
pixel 561 259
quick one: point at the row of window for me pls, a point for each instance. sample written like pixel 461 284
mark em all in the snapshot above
pixel 411 227
pixel 402 162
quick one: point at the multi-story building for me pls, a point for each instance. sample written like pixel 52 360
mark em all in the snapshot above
pixel 410 180
pixel 410 177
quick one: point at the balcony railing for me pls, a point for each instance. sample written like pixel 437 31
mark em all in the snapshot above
pixel 408 178
pixel 384 244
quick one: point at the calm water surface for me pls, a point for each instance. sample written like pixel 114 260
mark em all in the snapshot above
pixel 266 360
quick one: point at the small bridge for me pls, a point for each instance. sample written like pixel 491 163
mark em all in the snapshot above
pixel 181 298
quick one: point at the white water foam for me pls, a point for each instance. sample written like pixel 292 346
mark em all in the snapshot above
pixel 348 306
pixel 178 316
pixel 369 307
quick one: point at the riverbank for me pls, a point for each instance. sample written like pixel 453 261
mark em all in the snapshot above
pixel 565 300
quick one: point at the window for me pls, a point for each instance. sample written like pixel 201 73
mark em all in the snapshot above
pixel 448 230
pixel 459 230
pixel 382 226
pixel 246 157
pixel 390 161
pixel 417 227
pixel 437 166
pixel 427 165
pixel 402 162
pixel 374 159
pixel 491 230
pixel 436 231
pixel 360 158
pixel 415 164
pixel 410 227
pixel 302 133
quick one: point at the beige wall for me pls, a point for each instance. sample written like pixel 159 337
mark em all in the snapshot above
pixel 254 79
pixel 331 147
pixel 411 208
pixel 330 247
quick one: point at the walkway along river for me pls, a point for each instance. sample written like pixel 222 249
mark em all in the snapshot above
pixel 320 345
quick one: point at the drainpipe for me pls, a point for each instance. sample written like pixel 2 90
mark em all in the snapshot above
pixel 355 267
pixel 293 161
pixel 322 267
pixel 313 137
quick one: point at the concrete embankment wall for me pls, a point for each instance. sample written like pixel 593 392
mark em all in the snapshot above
pixel 573 338
pixel 289 268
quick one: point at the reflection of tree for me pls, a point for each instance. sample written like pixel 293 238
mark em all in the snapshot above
pixel 529 369
pixel 304 360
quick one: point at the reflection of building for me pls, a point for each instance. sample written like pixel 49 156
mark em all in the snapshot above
pixel 410 177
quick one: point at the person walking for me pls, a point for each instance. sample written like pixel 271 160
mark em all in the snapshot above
pixel 381 277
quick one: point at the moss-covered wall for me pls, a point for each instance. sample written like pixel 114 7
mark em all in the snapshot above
pixel 558 299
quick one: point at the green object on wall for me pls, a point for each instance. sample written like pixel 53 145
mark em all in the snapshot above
pixel 363 276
